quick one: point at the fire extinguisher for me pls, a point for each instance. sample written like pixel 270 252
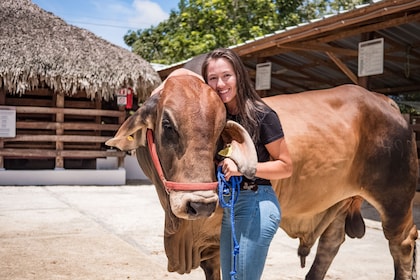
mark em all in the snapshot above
pixel 129 104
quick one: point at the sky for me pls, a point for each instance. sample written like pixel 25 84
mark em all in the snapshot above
pixel 110 19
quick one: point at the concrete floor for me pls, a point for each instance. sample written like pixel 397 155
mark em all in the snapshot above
pixel 370 213
pixel 116 232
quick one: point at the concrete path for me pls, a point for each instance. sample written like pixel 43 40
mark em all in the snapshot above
pixel 91 232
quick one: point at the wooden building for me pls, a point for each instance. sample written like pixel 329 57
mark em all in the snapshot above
pixel 61 82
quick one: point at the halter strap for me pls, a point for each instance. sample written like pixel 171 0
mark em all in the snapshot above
pixel 170 185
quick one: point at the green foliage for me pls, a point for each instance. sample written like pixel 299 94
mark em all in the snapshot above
pixel 406 103
pixel 200 26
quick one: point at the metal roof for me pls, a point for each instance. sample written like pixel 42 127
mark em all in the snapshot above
pixel 323 53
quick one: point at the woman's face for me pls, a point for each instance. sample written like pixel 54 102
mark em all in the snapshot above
pixel 221 77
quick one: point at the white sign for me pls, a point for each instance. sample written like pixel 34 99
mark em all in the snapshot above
pixel 371 57
pixel 263 78
pixel 122 97
pixel 121 100
pixel 7 122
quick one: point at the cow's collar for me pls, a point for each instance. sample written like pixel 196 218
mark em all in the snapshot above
pixel 169 185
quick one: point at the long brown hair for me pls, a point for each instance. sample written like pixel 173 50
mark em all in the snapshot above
pixel 249 102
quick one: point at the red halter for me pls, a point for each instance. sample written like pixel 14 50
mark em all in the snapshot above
pixel 169 185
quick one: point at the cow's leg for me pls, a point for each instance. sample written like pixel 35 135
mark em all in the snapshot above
pixel 401 233
pixel 389 178
pixel 211 267
pixel 328 245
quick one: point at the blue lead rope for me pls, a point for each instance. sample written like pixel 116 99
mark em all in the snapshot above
pixel 230 188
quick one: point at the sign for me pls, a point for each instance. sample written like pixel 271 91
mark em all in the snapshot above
pixel 263 78
pixel 125 98
pixel 371 57
pixel 7 122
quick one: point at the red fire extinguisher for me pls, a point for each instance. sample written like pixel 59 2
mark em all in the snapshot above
pixel 129 104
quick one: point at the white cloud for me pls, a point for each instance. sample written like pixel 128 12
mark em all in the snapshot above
pixel 146 14
pixel 112 19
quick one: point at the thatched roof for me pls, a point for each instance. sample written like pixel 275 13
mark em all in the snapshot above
pixel 39 48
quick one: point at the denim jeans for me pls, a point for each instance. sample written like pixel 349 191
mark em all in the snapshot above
pixel 257 218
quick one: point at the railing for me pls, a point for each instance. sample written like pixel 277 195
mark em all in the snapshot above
pixel 60 133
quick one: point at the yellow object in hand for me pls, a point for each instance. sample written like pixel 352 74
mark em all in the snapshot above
pixel 226 152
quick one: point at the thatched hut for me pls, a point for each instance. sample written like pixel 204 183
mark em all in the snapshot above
pixel 61 83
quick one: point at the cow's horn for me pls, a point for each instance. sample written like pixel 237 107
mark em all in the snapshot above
pixel 242 148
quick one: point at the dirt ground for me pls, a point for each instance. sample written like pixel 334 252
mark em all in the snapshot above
pixel 96 232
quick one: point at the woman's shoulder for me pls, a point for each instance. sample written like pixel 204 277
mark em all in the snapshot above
pixel 266 112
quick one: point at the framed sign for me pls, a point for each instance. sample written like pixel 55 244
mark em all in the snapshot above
pixel 7 122
pixel 371 57
pixel 263 76
pixel 125 98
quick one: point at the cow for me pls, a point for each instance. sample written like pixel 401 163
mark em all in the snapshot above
pixel 347 145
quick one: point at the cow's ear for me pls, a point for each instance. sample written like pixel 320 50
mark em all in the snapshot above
pixel 132 132
pixel 241 148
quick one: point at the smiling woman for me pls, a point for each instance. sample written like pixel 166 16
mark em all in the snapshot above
pixel 110 19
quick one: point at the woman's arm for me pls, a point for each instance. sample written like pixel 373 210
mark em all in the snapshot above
pixel 280 166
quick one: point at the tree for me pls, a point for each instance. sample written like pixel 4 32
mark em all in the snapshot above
pixel 203 25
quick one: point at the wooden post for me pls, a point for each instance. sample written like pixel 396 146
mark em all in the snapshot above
pixel 2 102
pixel 120 122
pixel 98 119
pixel 59 120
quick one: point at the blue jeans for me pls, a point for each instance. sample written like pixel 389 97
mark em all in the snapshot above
pixel 257 218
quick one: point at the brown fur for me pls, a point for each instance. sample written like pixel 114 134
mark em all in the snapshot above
pixel 347 144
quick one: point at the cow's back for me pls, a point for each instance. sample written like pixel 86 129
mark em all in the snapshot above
pixel 331 134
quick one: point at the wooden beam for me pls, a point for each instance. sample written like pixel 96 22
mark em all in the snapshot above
pixel 69 111
pixel 41 153
pixel 58 138
pixel 343 67
pixel 398 90
pixel 340 34
pixel 66 126
pixel 319 47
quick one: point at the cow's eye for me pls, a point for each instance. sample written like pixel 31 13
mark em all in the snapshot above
pixel 166 125
pixel 168 130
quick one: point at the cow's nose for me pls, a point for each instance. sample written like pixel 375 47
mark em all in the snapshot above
pixel 200 209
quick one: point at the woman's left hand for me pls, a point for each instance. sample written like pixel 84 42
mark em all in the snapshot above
pixel 229 168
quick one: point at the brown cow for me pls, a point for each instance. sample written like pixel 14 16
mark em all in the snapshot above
pixel 347 144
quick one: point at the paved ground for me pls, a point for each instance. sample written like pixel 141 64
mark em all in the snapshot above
pixel 91 232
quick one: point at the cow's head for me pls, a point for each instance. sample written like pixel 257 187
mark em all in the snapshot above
pixel 188 121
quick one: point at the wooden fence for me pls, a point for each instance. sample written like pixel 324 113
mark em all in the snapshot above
pixel 55 126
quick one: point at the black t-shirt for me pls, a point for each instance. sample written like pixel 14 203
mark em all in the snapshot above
pixel 270 129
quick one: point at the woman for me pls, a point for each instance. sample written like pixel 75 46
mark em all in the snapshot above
pixel 257 210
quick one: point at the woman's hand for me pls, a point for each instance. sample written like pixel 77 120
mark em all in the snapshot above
pixel 229 168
